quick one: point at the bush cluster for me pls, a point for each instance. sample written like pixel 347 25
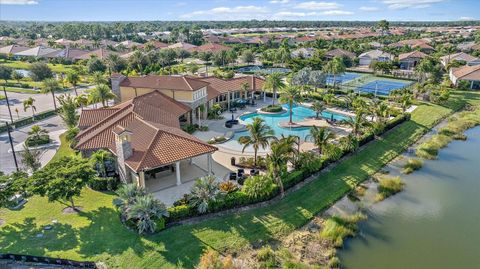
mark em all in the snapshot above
pixel 272 108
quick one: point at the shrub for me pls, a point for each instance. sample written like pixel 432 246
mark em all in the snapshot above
pixel 292 178
pixel 272 108
pixel 266 257
pixel 429 149
pixel 388 186
pixel 412 165
pixel 203 193
pixel 104 183
pixel 159 224
pixel 259 187
pixel 180 212
pixel 33 141
pixel 309 162
pixel 337 228
pixel 227 186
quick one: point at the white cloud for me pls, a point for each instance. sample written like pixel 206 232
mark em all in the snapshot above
pixel 18 2
pixel 279 1
pixel 403 4
pixel 467 19
pixel 284 14
pixel 313 5
pixel 336 13
pixel 241 12
pixel 370 9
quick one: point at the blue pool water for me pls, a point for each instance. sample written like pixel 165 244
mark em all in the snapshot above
pixel 261 69
pixel 345 77
pixel 382 87
pixel 299 114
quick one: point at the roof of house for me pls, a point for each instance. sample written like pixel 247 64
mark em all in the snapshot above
pixel 467 72
pixel 212 47
pixel 68 53
pixel 375 54
pixel 227 85
pixel 182 45
pixel 12 49
pixel 157 44
pixel 339 53
pixel 99 53
pixel 181 83
pixel 413 54
pixel 37 51
pixel 461 56
pixel 152 120
pixel 128 44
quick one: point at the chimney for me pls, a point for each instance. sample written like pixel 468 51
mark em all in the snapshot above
pixel 116 80
pixel 123 145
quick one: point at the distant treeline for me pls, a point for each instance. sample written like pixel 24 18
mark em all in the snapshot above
pixel 99 30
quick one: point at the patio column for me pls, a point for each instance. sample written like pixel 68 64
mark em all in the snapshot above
pixel 471 85
pixel 228 100
pixel 141 179
pixel 209 164
pixel 177 171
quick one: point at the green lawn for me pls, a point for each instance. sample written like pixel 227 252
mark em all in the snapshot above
pixel 97 234
pixel 20 90
pixel 64 149
pixel 57 68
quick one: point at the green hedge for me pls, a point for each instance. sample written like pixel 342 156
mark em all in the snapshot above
pixel 104 183
pixel 272 108
pixel 29 120
pixel 42 140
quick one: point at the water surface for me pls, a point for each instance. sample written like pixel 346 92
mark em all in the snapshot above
pixel 433 223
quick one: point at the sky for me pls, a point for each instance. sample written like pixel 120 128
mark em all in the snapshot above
pixel 188 10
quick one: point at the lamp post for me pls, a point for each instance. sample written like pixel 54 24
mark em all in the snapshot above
pixel 11 145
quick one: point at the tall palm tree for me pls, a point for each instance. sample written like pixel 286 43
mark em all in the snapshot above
pixel 405 101
pixel 260 136
pixel 81 100
pixel 291 96
pixel 320 137
pixel 292 143
pixel 98 78
pixel 244 89
pixel 277 160
pixel 273 82
pixel 113 62
pixel 50 85
pixel 318 107
pixel 101 94
pixel 30 103
pixel 73 78
pixel 381 110
pixel 335 67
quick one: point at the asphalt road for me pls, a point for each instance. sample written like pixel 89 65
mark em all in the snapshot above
pixel 7 164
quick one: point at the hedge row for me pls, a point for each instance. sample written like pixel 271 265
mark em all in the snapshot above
pixel 29 120
pixel 239 198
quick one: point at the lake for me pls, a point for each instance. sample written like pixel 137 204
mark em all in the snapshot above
pixel 433 223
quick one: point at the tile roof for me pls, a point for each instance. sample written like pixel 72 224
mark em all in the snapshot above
pixel 234 84
pixel 461 56
pixel 413 54
pixel 12 49
pixel 212 47
pixel 37 51
pixel 153 120
pixel 467 72
pixel 375 54
pixel 182 45
pixel 339 53
pixel 99 53
pixel 180 83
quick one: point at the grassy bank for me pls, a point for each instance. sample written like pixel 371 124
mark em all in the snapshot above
pixel 97 234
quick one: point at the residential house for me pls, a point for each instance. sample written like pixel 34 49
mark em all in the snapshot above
pixel 99 53
pixel 210 47
pixel 13 49
pixel 144 135
pixel 339 53
pixel 303 53
pixel 468 46
pixel 182 46
pixel 417 44
pixel 409 60
pixel 39 51
pixel 128 44
pixel 460 57
pixel 368 57
pixel 469 74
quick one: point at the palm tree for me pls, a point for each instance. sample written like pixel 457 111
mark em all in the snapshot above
pixel 329 98
pixel 277 160
pixel 29 103
pixel 260 135
pixel 98 78
pixel 204 191
pixel 36 132
pixel 273 82
pixel 320 137
pixel 349 143
pixel 101 93
pixel 244 89
pixel 145 211
pixel 292 143
pixel 405 101
pixel 114 62
pixel 50 85
pixel 381 111
pixel 73 78
pixel 357 123
pixel 291 96
pixel 318 107
pixel 81 100
pixel 335 67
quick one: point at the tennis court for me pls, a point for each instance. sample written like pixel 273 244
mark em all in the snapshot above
pixel 382 87
pixel 343 78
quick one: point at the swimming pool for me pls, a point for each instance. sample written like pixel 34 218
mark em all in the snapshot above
pixel 300 113
pixel 382 87
pixel 343 78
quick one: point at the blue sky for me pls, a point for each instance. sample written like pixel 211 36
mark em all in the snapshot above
pixel 132 10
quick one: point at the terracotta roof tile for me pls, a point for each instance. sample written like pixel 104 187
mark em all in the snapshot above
pixel 413 54
pixel 180 83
